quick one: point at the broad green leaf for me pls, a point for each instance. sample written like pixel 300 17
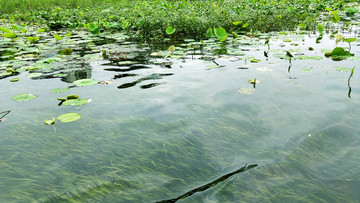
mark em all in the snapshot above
pixel 23 97
pixel 17 27
pixel 342 69
pixel 339 38
pixel 50 122
pixel 235 35
pixel 69 117
pixel 220 33
pixel 171 48
pixel 125 25
pixel 72 96
pixel 96 31
pixel 75 102
pixel 40 30
pixel 34 75
pixel 351 11
pixel 209 33
pixel 9 35
pixel 5 29
pixel 14 79
pixel 170 30
pixel 320 29
pixel 85 82
pixel 303 57
pixel 32 39
pixel 59 90
pixel 339 51
pixel 335 16
pixel 245 25
pixel 91 26
pixel 237 22
pixel 349 40
pixel 57 37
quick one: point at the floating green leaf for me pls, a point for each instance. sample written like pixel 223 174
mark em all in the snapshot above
pixel 209 33
pixel 41 30
pixel 32 40
pixel 349 40
pixel 85 82
pixel 57 37
pixel 59 90
pixel 220 33
pixel 342 69
pixel 339 51
pixel 34 75
pixel 303 57
pixel 237 22
pixel 91 26
pixel 75 102
pixel 50 122
pixel 125 25
pixel 14 79
pixel 69 117
pixel 9 35
pixel 320 29
pixel 96 31
pixel 73 96
pixel 336 17
pixel 170 30
pixel 23 97
pixel 351 11
pixel 5 29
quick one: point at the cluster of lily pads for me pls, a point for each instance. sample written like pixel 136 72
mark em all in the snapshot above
pixel 70 100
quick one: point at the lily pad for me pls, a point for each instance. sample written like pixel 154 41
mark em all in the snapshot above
pixel 23 97
pixel 342 69
pixel 170 30
pixel 220 33
pixel 69 117
pixel 85 82
pixel 34 75
pixel 75 102
pixel 14 79
pixel 310 57
pixel 50 122
pixel 59 90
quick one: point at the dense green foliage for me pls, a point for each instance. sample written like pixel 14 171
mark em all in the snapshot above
pixel 150 19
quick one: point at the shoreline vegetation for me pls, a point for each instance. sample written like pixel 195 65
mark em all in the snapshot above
pixel 156 20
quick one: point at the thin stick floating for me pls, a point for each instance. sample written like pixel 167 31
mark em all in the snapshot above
pixel 209 185
pixel 5 113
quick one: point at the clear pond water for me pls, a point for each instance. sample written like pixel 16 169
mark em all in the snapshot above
pixel 164 126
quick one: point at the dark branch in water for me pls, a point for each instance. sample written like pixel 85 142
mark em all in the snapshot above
pixel 209 185
pixel 5 113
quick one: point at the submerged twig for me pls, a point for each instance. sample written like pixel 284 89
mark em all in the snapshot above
pixel 209 185
pixel 5 113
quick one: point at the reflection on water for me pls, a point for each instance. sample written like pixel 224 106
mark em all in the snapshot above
pixel 171 122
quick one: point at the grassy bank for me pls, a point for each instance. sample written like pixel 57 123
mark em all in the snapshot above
pixel 191 19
